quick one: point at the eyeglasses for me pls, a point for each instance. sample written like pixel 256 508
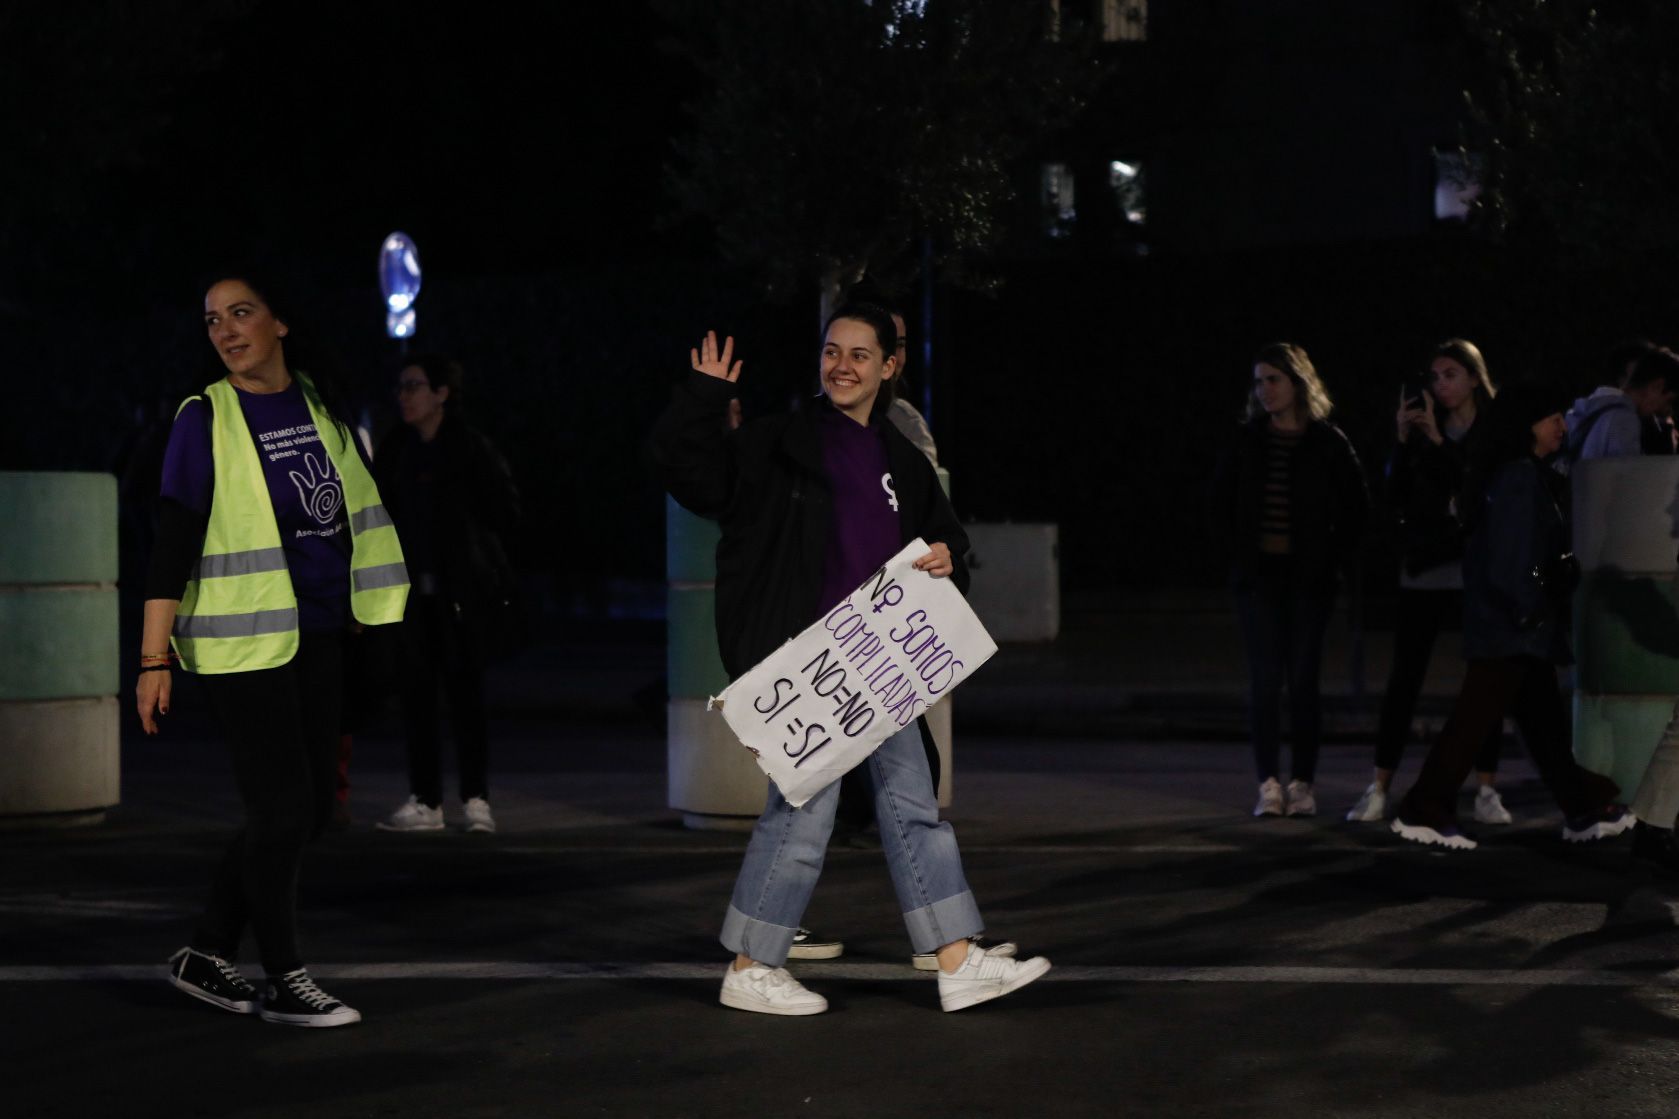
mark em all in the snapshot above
pixel 403 388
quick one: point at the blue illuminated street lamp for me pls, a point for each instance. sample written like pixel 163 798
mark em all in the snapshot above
pixel 399 279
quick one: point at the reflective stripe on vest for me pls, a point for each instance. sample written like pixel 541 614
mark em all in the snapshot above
pixel 236 625
pixel 240 563
pixel 239 611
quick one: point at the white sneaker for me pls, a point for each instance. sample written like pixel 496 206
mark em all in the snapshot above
pixel 1301 802
pixel 768 990
pixel 1489 808
pixel 1270 799
pixel 929 961
pixel 983 977
pixel 1449 838
pixel 1371 807
pixel 478 816
pixel 414 816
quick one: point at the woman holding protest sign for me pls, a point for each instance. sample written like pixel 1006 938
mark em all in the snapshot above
pixel 811 504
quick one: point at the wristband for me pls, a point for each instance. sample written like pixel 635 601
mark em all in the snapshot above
pixel 154 668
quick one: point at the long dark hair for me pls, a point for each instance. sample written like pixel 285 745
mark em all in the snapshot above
pixel 1504 434
pixel 1468 355
pixel 307 353
pixel 885 332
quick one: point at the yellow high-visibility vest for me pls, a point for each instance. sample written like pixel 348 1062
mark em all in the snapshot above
pixel 239 612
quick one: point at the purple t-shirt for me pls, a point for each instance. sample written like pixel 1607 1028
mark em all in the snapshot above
pixel 864 530
pixel 307 493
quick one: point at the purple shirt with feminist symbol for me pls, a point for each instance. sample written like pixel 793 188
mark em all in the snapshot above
pixel 864 530
pixel 307 494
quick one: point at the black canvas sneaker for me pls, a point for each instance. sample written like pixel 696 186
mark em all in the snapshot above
pixel 212 979
pixel 294 1000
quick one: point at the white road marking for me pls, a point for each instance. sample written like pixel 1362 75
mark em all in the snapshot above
pixel 891 972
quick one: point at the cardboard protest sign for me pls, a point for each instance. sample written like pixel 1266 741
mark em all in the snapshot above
pixel 822 702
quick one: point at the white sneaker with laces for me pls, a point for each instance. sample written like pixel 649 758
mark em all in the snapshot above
pixel 1301 802
pixel 478 816
pixel 983 977
pixel 929 961
pixel 768 990
pixel 1270 799
pixel 414 816
pixel 1489 807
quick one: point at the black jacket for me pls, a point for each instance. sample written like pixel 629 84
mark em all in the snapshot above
pixel 1423 483
pixel 765 484
pixel 1328 501
pixel 475 508
pixel 1518 572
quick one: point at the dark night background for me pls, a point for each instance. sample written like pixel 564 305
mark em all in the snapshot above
pixel 1289 154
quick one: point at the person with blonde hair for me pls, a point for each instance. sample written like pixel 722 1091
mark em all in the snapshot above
pixel 1290 505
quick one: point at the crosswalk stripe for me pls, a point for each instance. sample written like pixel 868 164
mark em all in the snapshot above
pixel 889 972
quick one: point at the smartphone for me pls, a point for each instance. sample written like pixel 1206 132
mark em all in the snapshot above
pixel 1412 387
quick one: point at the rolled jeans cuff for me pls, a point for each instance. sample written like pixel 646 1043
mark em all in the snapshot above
pixel 755 939
pixel 943 922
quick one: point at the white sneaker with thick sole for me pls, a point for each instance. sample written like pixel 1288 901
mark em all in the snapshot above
pixel 478 816
pixel 1607 824
pixel 1301 802
pixel 1489 807
pixel 413 816
pixel 768 990
pixel 929 961
pixel 983 977
pixel 1449 838
pixel 808 946
pixel 1371 808
pixel 1270 798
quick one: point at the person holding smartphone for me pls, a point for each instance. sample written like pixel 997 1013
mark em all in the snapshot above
pixel 1436 424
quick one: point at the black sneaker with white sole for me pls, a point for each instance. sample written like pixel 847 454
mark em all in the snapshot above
pixel 808 946
pixel 294 1000
pixel 213 979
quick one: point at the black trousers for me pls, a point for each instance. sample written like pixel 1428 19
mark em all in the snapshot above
pixel 1422 614
pixel 1525 688
pixel 281 726
pixel 439 653
pixel 1283 618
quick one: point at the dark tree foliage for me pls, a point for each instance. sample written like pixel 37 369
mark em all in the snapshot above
pixel 83 92
pixel 1583 143
pixel 832 135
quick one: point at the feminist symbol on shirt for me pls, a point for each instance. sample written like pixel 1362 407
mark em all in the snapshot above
pixel 320 491
pixel 891 494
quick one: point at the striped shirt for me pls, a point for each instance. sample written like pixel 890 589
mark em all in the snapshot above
pixel 1275 514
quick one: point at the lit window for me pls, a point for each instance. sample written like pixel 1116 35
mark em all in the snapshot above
pixel 1125 179
pixel 1124 21
pixel 1457 183
pixel 1055 197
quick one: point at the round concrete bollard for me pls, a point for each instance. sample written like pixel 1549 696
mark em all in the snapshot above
pixel 59 759
pixel 1626 612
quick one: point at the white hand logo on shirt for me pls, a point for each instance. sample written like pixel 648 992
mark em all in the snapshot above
pixel 891 494
pixel 320 492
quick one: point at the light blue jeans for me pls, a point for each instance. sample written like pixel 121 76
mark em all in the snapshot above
pixel 784 860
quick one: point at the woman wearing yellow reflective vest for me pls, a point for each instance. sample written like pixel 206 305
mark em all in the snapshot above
pixel 272 541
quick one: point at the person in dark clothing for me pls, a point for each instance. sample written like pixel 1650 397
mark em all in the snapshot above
pixel 272 541
pixel 454 503
pixel 810 504
pixel 1518 576
pixel 1289 501
pixel 1424 480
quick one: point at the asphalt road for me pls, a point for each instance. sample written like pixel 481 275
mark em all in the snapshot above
pixel 1206 963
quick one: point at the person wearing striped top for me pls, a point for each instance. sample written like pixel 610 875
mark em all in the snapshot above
pixel 1289 505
